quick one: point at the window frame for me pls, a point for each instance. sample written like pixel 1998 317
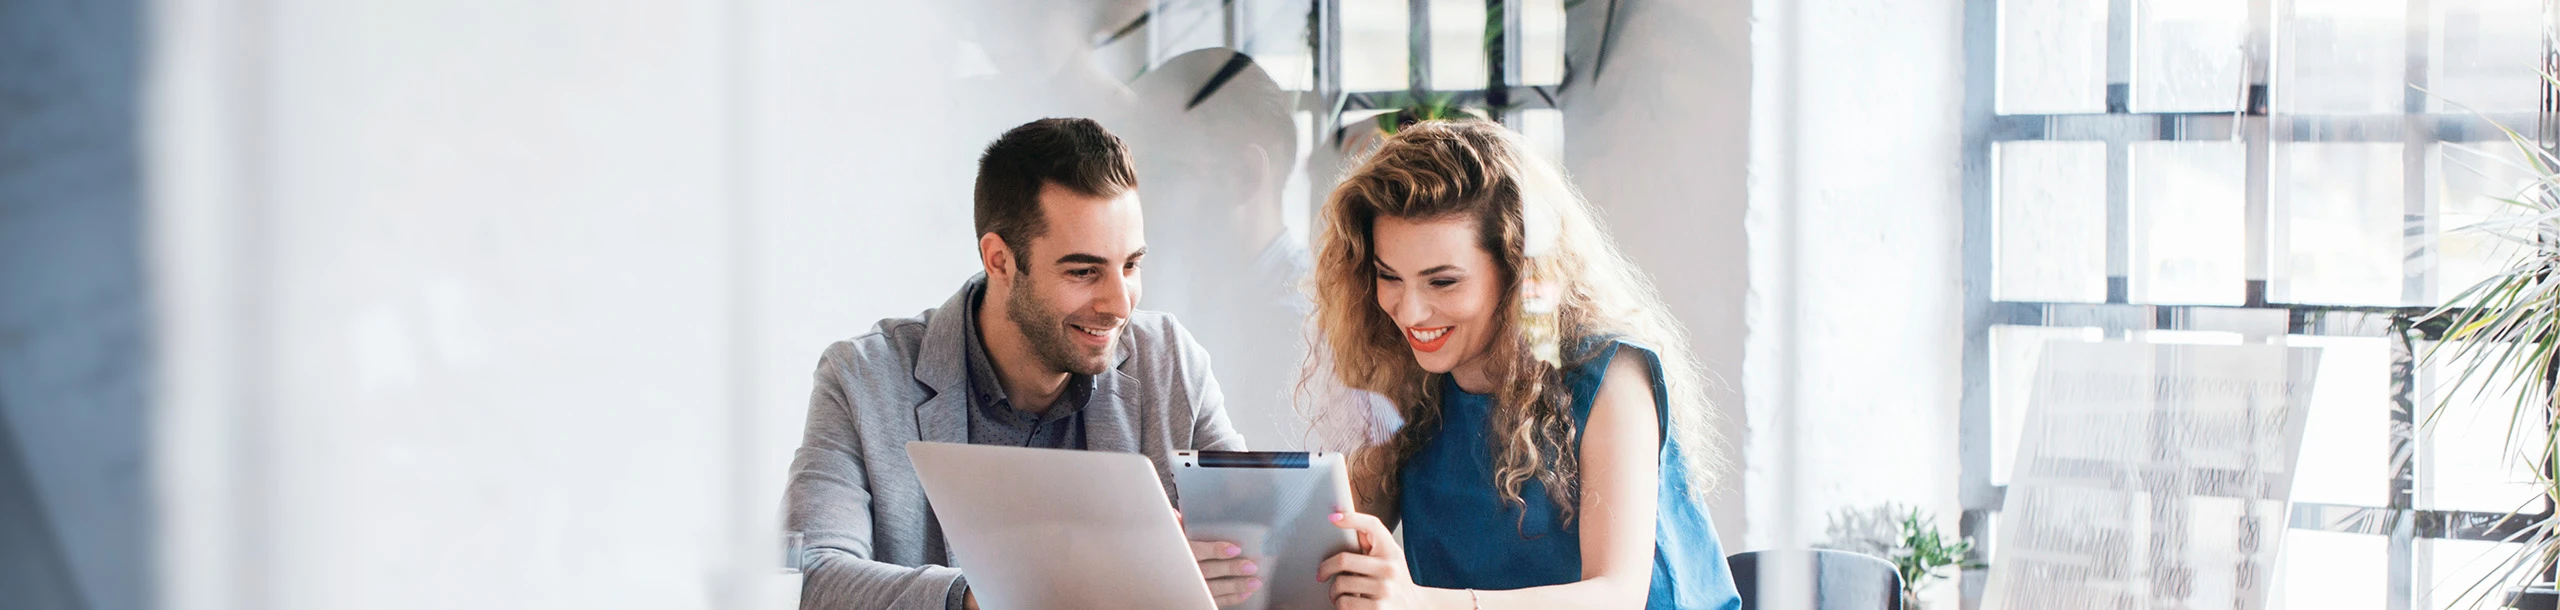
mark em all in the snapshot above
pixel 2257 319
pixel 1503 86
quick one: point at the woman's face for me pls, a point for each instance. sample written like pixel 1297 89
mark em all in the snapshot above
pixel 1439 286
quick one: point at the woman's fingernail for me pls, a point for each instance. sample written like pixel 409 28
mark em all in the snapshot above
pixel 1337 517
pixel 1233 550
pixel 1253 584
pixel 1248 568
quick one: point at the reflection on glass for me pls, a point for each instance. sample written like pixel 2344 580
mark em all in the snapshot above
pixel 1220 172
pixel 2189 337
pixel 2344 222
pixel 2137 464
pixel 2015 350
pixel 2456 565
pixel 2052 234
pixel 2471 456
pixel 1296 205
pixel 2187 55
pixel 2213 523
pixel 2343 57
pixel 1544 127
pixel 1275 34
pixel 2053 56
pixel 1541 42
pixel 2333 571
pixel 2346 443
pixel 793 545
pixel 1374 39
pixel 2470 182
pixel 2187 224
pixel 1123 58
pixel 1457 45
pixel 2485 54
pixel 1183 26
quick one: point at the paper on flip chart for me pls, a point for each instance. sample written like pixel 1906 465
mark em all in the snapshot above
pixel 2152 476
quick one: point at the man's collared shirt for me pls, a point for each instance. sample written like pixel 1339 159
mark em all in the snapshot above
pixel 993 418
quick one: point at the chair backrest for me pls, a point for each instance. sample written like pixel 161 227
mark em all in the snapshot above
pixel 1841 580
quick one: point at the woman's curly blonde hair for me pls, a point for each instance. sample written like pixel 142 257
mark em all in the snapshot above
pixel 1478 170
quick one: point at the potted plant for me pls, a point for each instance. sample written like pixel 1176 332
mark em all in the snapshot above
pixel 2504 333
pixel 1907 537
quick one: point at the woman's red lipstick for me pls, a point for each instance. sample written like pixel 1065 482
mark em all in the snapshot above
pixel 1438 337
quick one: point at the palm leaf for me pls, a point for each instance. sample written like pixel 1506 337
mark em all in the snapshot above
pixel 2504 337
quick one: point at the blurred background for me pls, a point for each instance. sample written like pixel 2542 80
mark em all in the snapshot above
pixel 435 304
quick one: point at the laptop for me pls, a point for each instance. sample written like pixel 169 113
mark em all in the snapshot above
pixel 1036 529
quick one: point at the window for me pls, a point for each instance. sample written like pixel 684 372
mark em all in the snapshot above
pixel 1352 60
pixel 1504 55
pixel 1359 58
pixel 2259 170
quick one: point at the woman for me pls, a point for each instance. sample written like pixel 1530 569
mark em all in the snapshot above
pixel 1555 447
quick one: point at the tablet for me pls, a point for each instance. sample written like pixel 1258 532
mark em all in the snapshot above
pixel 1034 529
pixel 1278 505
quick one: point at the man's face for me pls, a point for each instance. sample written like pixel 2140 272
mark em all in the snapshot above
pixel 1073 298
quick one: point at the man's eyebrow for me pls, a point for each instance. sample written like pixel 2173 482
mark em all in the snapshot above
pixel 1081 258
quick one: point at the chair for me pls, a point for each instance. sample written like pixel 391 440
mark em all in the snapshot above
pixel 1841 580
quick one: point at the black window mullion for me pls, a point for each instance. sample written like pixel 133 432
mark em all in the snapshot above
pixel 2400 571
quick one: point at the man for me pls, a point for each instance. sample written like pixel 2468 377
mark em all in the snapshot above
pixel 1042 349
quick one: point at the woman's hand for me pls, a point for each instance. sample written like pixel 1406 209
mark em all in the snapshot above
pixel 1230 577
pixel 1374 577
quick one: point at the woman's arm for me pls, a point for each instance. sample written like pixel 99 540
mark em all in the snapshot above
pixel 1367 465
pixel 1621 472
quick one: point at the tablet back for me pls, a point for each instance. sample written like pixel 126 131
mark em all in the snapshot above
pixel 1278 506
pixel 1034 529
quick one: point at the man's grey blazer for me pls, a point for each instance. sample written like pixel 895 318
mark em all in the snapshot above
pixel 872 541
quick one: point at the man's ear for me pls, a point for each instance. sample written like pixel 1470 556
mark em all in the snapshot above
pixel 995 258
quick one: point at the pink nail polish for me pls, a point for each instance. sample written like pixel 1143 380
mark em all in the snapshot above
pixel 1253 585
pixel 1249 568
pixel 1337 517
pixel 1233 550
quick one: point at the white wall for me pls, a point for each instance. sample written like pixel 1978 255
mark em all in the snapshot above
pixel 1692 97
pixel 443 289
pixel 507 305
pixel 1658 142
pixel 1870 99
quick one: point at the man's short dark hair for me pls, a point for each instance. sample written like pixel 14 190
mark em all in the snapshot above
pixel 1077 154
